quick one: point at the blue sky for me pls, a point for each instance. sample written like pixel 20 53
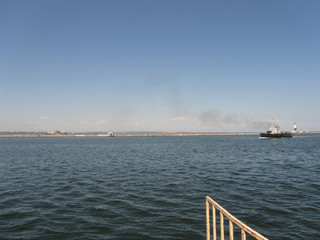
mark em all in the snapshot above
pixel 169 65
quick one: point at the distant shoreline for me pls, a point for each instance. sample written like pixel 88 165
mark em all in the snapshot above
pixel 122 135
pixel 32 135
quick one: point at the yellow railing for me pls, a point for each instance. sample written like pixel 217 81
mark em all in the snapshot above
pixel 232 220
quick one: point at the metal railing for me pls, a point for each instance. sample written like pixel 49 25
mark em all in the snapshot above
pixel 232 220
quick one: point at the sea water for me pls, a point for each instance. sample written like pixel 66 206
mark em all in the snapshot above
pixel 155 187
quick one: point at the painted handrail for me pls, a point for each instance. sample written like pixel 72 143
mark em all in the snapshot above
pixel 232 220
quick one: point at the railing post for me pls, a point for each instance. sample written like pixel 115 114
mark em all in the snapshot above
pixel 214 222
pixel 208 218
pixel 243 235
pixel 221 226
pixel 231 230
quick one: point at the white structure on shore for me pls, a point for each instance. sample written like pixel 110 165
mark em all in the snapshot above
pixel 295 129
pixel 110 134
pixel 57 132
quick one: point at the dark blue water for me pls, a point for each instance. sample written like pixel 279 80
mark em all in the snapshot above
pixel 155 187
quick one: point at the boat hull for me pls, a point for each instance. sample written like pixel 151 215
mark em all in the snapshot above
pixel 276 135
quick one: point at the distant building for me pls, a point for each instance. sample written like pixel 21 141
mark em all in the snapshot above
pixel 110 134
pixel 57 133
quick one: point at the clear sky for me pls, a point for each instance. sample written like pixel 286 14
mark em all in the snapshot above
pixel 166 65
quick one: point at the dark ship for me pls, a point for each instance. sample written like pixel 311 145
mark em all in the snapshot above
pixel 274 132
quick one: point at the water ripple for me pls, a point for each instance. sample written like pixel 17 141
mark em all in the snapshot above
pixel 155 188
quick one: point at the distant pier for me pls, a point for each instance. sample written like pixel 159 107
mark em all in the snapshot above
pixel 140 134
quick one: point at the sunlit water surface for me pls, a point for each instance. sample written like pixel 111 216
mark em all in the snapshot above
pixel 155 187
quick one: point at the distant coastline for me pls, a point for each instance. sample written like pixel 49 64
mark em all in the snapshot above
pixel 129 134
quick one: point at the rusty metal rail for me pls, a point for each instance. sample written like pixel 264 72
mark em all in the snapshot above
pixel 232 220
